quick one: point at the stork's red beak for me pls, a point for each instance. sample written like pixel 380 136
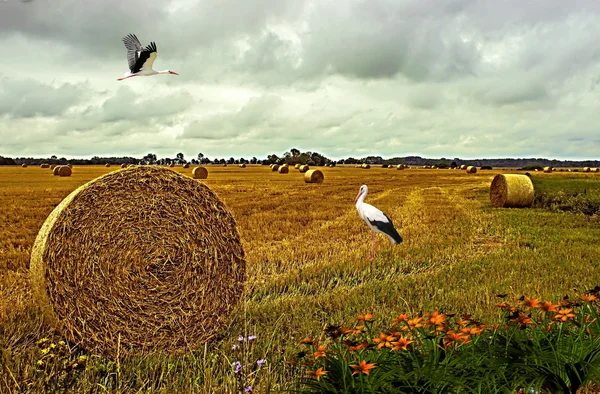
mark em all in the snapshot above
pixel 357 197
pixel 173 72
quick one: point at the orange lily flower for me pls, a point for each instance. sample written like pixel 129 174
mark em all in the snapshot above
pixel 362 367
pixel 588 298
pixel 472 330
pixel 362 345
pixel 320 352
pixel 402 343
pixel 365 317
pixel 531 303
pixel 564 315
pixel 415 323
pixel 318 373
pixel 384 340
pixel 549 307
pixel 305 341
pixel 437 318
pixel 400 318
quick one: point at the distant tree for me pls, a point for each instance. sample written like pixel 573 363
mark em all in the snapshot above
pixel 150 158
pixel 200 156
pixel 295 152
pixel 442 164
pixel 180 158
pixel 273 159
pixel 254 160
pixel 53 157
pixel 231 160
pixel 205 160
pixel 453 165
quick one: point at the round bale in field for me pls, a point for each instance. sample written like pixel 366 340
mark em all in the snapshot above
pixel 594 169
pixel 107 165
pixel 511 191
pixel 463 167
pixel 297 166
pixel 304 168
pixel 242 165
pixel 200 173
pixel 586 169
pixel 123 165
pixel 313 176
pixel 171 165
pixel 55 171
pixel 284 170
pixel 52 167
pixel 24 165
pixel 366 166
pixel 471 170
pixel 547 170
pixel 399 167
pixel 64 170
pixel 186 165
pixel 139 259
pixel 275 167
pixel 45 165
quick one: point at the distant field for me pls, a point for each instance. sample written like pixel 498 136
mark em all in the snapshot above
pixel 306 251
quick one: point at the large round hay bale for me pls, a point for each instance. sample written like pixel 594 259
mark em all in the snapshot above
pixel 471 170
pixel 297 166
pixel 123 165
pixel 200 173
pixel 52 167
pixel 511 191
pixel 463 167
pixel 45 165
pixel 24 165
pixel 586 169
pixel 285 165
pixel 55 171
pixel 186 165
pixel 284 170
pixel 304 168
pixel 313 176
pixel 399 167
pixel 548 169
pixel 594 169
pixel 242 165
pixel 139 259
pixel 64 170
pixel 366 166
pixel 275 167
pixel 107 165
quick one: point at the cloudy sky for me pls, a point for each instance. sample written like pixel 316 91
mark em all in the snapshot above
pixel 452 78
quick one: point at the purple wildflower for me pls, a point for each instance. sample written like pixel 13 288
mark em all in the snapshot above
pixel 235 347
pixel 241 339
pixel 252 337
pixel 237 366
pixel 261 361
pixel 248 389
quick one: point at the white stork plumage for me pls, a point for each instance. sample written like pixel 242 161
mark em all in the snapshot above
pixel 377 221
pixel 140 59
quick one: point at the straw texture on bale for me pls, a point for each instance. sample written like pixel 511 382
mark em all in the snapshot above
pixel 297 166
pixel 304 168
pixel 24 165
pixel 313 176
pixel 107 165
pixel 186 165
pixel 275 167
pixel 284 170
pixel 52 167
pixel 200 173
pixel 44 166
pixel 511 191
pixel 471 169
pixel 139 259
pixel 63 170
pixel 548 169
pixel 55 171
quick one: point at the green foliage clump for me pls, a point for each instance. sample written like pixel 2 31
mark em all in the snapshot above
pixel 569 194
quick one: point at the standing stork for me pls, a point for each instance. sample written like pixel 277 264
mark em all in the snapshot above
pixel 140 59
pixel 377 221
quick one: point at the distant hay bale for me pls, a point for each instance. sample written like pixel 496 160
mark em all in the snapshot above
pixel 511 191
pixel 242 165
pixel 123 165
pixel 200 173
pixel 171 165
pixel 275 167
pixel 399 167
pixel 297 166
pixel 24 165
pixel 70 166
pixel 186 165
pixel 64 170
pixel 594 169
pixel 55 171
pixel 44 165
pixel 313 176
pixel 547 169
pixel 285 165
pixel 586 169
pixel 366 166
pixel 107 165
pixel 471 170
pixel 463 167
pixel 225 165
pixel 143 259
pixel 52 167
pixel 304 168
pixel 284 170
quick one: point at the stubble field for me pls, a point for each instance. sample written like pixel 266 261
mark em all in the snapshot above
pixel 306 252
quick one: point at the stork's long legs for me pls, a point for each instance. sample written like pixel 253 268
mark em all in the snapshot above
pixel 372 256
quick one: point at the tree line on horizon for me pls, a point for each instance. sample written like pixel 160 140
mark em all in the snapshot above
pixel 295 156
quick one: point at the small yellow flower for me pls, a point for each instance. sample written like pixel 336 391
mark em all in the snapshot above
pixel 40 362
pixel 61 343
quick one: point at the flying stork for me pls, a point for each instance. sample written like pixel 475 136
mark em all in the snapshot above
pixel 140 59
pixel 377 221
